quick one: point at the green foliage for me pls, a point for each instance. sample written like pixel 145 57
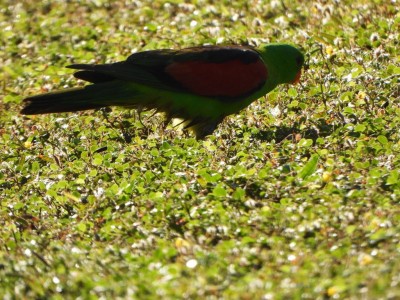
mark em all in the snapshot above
pixel 296 197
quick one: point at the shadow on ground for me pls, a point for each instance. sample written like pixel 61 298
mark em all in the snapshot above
pixel 278 134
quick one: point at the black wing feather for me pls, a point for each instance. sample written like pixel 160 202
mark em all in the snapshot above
pixel 148 67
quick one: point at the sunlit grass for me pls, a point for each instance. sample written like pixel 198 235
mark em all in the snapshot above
pixel 295 197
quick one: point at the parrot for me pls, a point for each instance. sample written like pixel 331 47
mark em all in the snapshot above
pixel 200 85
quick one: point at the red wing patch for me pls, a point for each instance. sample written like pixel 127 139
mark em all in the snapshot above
pixel 228 79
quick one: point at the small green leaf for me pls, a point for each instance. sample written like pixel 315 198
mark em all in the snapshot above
pixel 81 227
pixel 293 104
pixel 97 160
pixel 360 128
pixel 393 177
pixel 156 195
pixel 219 191
pixel 305 143
pixel 209 145
pixel 348 110
pixel 239 193
pixel 35 166
pixel 154 152
pixel 80 181
pixel 151 27
pixel 310 167
pixel 292 93
pixel 382 139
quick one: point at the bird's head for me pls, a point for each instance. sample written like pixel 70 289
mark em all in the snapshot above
pixel 284 62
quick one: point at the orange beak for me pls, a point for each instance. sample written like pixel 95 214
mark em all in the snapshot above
pixel 297 78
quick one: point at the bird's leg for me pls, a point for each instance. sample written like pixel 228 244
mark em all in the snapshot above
pixel 104 112
pixel 152 115
pixel 139 111
pixel 201 130
pixel 167 120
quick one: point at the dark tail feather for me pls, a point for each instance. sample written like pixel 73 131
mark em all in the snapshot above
pixel 62 101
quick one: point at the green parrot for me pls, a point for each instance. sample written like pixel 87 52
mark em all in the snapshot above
pixel 200 85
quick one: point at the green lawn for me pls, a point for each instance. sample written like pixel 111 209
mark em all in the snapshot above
pixel 296 197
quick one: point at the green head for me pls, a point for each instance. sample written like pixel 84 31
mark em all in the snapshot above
pixel 284 62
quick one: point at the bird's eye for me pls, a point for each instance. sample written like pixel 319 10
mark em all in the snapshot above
pixel 299 61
